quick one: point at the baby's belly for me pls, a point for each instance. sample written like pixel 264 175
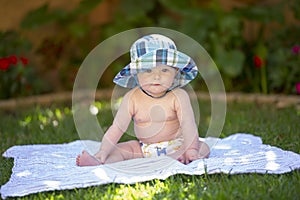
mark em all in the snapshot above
pixel 157 132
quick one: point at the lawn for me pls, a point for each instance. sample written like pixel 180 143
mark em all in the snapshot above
pixel 277 127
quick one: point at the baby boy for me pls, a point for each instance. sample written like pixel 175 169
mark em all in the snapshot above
pixel 163 117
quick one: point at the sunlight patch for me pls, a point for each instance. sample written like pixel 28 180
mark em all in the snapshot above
pixel 272 166
pixel 101 174
pixel 52 184
pixel 270 155
pixel 24 173
pixel 94 110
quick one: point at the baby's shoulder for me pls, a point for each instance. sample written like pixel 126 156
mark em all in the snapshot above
pixel 132 96
pixel 180 93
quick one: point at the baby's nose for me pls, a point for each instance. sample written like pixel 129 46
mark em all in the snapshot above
pixel 156 75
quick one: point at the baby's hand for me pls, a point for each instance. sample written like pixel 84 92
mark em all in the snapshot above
pixel 191 155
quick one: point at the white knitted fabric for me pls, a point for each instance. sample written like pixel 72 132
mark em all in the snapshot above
pixel 39 168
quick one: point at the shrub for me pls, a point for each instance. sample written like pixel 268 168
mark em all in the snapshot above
pixel 17 75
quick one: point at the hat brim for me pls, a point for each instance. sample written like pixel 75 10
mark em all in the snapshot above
pixel 170 57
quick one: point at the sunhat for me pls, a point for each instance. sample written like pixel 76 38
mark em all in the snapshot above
pixel 151 51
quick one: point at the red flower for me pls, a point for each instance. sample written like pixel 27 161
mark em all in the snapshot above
pixel 4 64
pixel 24 60
pixel 13 59
pixel 296 49
pixel 298 87
pixel 258 62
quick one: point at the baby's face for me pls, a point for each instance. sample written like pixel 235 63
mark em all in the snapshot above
pixel 158 80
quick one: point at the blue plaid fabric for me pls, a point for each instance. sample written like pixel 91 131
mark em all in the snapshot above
pixel 151 51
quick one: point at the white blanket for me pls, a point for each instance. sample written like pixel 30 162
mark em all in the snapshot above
pixel 39 168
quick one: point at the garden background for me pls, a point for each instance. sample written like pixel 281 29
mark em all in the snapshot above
pixel 255 44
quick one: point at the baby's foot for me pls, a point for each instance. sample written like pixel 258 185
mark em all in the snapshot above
pixel 85 159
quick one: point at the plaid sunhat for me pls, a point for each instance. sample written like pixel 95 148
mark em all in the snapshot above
pixel 151 51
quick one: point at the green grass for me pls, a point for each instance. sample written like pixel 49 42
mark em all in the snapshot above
pixel 276 127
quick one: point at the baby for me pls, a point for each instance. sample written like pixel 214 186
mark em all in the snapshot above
pixel 163 118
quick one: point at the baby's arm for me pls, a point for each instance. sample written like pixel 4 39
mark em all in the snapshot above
pixel 116 130
pixel 189 128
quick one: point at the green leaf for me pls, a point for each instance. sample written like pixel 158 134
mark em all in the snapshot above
pixel 78 30
pixel 42 15
pixel 261 50
pixel 86 6
pixel 36 18
pixel 136 8
pixel 264 14
pixel 230 24
pixel 230 62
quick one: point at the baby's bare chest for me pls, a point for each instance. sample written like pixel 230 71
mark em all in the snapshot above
pixel 155 113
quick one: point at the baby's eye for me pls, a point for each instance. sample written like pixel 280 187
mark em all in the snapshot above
pixel 165 70
pixel 148 70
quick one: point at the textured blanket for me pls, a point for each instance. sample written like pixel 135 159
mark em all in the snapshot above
pixel 39 168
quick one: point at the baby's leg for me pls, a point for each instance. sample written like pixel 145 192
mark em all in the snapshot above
pixel 125 151
pixel 122 151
